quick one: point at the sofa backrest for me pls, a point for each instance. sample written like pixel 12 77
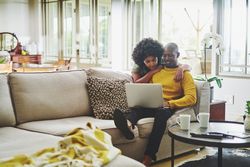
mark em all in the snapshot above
pixel 51 95
pixel 7 117
pixel 203 97
pixel 202 87
pixel 108 74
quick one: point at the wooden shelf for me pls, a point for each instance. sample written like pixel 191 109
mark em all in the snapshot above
pixel 35 59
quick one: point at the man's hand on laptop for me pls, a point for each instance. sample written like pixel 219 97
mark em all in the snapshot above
pixel 166 104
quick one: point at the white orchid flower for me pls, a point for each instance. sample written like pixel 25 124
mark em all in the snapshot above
pixel 213 40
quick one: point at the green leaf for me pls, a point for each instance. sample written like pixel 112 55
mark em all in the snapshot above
pixel 218 81
pixel 248 107
pixel 212 79
pixel 199 79
pixel 2 60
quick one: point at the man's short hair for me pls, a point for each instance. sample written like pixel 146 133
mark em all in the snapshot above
pixel 172 46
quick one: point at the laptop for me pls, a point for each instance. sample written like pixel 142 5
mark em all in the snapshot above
pixel 145 95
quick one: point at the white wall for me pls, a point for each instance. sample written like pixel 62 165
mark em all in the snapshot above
pixel 22 18
pixel 236 92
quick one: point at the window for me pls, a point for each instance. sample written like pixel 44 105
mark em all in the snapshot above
pixel 51 30
pixel 186 23
pixel 84 27
pixel 141 22
pixel 84 40
pixel 68 29
pixel 235 28
pixel 77 29
pixel 103 31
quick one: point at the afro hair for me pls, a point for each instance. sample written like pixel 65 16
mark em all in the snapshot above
pixel 147 47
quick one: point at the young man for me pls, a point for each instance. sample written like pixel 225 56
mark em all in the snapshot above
pixel 176 94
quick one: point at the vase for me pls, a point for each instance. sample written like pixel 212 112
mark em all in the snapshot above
pixel 247 122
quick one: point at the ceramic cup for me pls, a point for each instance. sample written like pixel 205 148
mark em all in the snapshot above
pixel 184 121
pixel 203 119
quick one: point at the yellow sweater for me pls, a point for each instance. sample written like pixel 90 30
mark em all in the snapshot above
pixel 178 94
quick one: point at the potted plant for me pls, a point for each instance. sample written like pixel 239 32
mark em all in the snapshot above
pixel 215 41
pixel 210 80
pixel 4 59
pixel 247 116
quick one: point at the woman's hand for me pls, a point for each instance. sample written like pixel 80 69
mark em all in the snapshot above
pixel 179 74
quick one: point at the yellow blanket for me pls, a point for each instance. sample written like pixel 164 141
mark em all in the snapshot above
pixel 89 147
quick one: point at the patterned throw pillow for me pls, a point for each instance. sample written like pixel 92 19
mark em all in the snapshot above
pixel 106 95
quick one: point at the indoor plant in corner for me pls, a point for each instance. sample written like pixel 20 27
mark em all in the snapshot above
pixel 247 116
pixel 4 59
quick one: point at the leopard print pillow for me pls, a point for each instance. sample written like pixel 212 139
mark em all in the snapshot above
pixel 106 95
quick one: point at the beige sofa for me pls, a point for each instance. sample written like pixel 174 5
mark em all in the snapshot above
pixel 37 109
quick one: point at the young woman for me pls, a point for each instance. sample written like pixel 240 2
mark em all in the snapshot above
pixel 147 56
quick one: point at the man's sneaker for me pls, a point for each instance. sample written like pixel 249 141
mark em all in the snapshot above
pixel 122 125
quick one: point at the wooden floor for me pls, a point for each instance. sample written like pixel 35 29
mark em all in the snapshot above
pixel 194 155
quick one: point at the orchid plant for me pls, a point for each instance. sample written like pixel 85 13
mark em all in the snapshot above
pixel 213 39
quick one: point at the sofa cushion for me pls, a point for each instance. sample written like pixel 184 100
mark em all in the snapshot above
pixel 108 74
pixel 15 141
pixel 106 95
pixel 60 127
pixel 7 117
pixel 145 125
pixel 41 96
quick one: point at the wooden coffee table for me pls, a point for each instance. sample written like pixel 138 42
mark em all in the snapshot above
pixel 230 128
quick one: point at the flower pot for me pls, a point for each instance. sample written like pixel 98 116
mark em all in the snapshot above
pixel 247 122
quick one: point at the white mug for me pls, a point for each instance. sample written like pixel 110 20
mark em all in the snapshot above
pixel 184 121
pixel 203 119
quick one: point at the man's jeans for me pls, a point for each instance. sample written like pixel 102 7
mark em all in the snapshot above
pixel 161 115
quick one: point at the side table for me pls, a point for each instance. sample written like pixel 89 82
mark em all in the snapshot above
pixel 217 110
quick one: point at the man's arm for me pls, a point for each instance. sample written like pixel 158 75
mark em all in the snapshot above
pixel 189 90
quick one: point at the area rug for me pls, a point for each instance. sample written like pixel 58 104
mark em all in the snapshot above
pixel 231 158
